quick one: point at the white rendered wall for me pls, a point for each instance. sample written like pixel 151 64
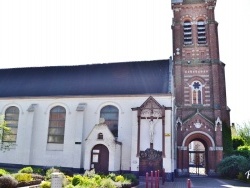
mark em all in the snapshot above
pixel 134 128
pixel 169 145
pixel 32 147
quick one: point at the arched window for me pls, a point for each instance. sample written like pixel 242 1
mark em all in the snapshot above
pixel 187 33
pixel 110 114
pixel 201 32
pixel 56 125
pixel 196 92
pixel 11 118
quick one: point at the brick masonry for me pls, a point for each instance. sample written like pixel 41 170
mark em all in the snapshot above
pixel 198 63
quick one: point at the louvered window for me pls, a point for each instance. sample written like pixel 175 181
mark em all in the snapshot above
pixel 187 31
pixel 201 32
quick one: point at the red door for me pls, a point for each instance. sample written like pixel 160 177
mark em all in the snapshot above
pixel 100 159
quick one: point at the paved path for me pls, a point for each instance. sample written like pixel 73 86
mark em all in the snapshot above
pixel 201 182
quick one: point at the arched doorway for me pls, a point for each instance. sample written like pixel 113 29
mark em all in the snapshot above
pixel 100 159
pixel 208 153
pixel 197 158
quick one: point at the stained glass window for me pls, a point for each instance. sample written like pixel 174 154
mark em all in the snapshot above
pixel 110 114
pixel 11 118
pixel 56 125
pixel 196 92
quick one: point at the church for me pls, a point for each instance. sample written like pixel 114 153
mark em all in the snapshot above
pixel 127 116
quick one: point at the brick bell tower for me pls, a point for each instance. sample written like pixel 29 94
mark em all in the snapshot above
pixel 200 88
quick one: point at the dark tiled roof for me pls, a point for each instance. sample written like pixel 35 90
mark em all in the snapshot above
pixel 193 1
pixel 142 77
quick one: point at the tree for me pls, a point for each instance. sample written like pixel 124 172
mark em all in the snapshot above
pixel 4 129
pixel 227 139
pixel 243 131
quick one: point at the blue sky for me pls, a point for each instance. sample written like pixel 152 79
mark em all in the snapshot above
pixel 72 32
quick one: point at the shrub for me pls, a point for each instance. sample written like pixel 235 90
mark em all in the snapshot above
pixel 242 152
pixel 68 179
pixel 231 166
pixel 39 171
pixel 97 178
pixel 112 176
pixel 3 172
pixel 45 184
pixel 77 180
pixel 27 170
pixel 126 184
pixel 70 186
pixel 243 148
pixel 23 177
pixel 107 183
pixel 7 181
pixel 88 182
pixel 119 178
pixel 237 141
pixel 133 179
pixel 243 176
pixel 89 173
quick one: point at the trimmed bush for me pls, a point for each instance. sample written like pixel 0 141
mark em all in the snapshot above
pixel 7 181
pixel 27 170
pixel 231 166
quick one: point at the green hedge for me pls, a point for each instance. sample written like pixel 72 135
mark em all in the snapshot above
pixel 231 166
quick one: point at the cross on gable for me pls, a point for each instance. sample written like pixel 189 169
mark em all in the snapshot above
pixel 151 109
pixel 151 104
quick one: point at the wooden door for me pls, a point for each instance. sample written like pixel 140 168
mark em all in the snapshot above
pixel 150 160
pixel 100 159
